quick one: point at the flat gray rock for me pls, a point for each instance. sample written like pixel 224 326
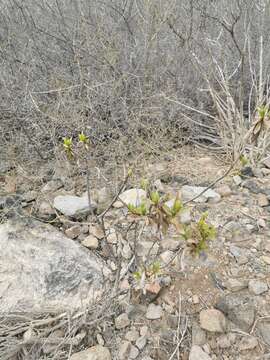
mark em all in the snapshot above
pixel 189 192
pixel 73 206
pixel 42 269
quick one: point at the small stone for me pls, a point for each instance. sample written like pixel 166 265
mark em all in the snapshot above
pixel 190 192
pixel 73 206
pixel 257 287
pixel 144 330
pixel 167 256
pixel 223 341
pixel 97 352
pixel 237 180
pixel 90 242
pixel 185 217
pixel 126 251
pixel 195 299
pixel 248 343
pixel 213 320
pixel 265 259
pixel 224 190
pixel 141 342
pixel 197 353
pixel 30 196
pixel 124 350
pixel 134 352
pixel 112 237
pixel 154 312
pixel 266 162
pixel 45 210
pixel 262 200
pixel 242 260
pixel 236 285
pixel 153 287
pixel 131 197
pixel 96 231
pixel 100 340
pixel 132 335
pixel 73 232
pixel 261 223
pixel 122 321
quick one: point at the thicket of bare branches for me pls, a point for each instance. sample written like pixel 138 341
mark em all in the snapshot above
pixel 136 70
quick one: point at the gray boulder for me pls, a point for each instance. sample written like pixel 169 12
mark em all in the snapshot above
pixel 42 269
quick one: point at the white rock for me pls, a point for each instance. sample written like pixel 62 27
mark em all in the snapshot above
pixel 197 353
pixel 154 312
pixel 213 320
pixel 131 196
pixel 189 192
pixel 97 352
pixel 257 287
pixel 122 321
pixel 73 206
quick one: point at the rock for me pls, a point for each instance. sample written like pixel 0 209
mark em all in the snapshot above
pixel 154 312
pixel 132 335
pixel 141 342
pixel 224 341
pixel 122 321
pixel 90 242
pixel 197 353
pixel 248 343
pixel 262 200
pixel 213 320
pixel 97 352
pixel 96 230
pixel 189 192
pixel 112 236
pixel 185 217
pixel 247 171
pixel 73 206
pixel 237 180
pixel 236 284
pixel 42 268
pixel 198 335
pixel 252 186
pixel 126 251
pixel 264 329
pixel 224 190
pixel 131 196
pixel 266 162
pixel 134 352
pixel 30 196
pixel 257 287
pixel 73 232
pixel 239 309
pixel 265 259
pixel 45 211
pixel 124 350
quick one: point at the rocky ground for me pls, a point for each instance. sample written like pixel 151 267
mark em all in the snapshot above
pixel 59 256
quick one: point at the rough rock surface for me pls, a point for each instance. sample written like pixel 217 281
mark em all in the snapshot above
pixel 94 353
pixel 73 206
pixel 41 268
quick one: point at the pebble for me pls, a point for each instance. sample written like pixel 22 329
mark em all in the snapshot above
pixel 90 242
pixel 132 335
pixel 97 352
pixel 124 350
pixel 73 232
pixel 122 321
pixel 154 312
pixel 213 320
pixel 265 259
pixel 236 284
pixel 248 343
pixel 257 287
pixel 197 353
pixel 134 352
pixel 141 342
